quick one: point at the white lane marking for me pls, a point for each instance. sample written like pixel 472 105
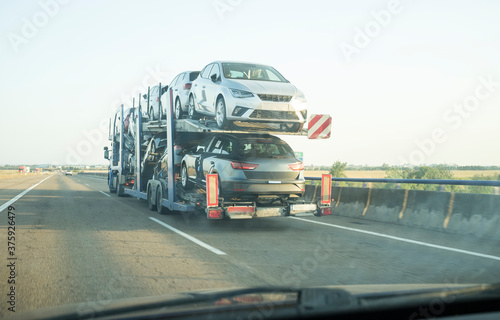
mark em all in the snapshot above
pixel 8 203
pixel 472 253
pixel 187 236
pixel 86 185
pixel 104 193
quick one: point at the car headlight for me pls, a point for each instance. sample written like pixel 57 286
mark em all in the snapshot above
pixel 299 101
pixel 240 93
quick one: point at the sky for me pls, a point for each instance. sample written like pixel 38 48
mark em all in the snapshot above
pixel 405 81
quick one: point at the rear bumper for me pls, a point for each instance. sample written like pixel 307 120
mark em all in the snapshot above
pixel 259 187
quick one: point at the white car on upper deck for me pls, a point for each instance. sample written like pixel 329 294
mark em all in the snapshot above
pixel 241 91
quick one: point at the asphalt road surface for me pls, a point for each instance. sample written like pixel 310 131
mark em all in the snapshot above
pixel 77 243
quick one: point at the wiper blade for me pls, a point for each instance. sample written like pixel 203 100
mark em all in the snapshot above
pixel 295 300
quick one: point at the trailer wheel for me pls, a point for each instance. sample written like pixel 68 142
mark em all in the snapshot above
pixel 186 184
pixel 161 209
pixel 178 109
pixel 120 189
pixel 151 205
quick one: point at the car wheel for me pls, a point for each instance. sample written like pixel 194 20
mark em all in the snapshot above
pixel 186 184
pixel 152 114
pixel 151 205
pixel 178 109
pixel 191 109
pixel 220 114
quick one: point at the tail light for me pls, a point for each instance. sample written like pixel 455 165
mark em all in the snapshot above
pixel 187 86
pixel 243 166
pixel 215 213
pixel 326 211
pixel 296 166
pixel 157 99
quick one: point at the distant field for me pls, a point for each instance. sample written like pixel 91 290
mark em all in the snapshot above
pixel 8 174
pixel 457 174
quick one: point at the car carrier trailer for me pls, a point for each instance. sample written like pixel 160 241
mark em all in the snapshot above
pixel 131 179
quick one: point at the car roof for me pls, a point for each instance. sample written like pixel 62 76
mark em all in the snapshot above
pixel 243 62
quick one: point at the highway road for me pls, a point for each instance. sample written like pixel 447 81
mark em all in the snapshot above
pixel 76 243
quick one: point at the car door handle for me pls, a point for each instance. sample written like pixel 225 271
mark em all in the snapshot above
pixel 204 87
pixel 195 84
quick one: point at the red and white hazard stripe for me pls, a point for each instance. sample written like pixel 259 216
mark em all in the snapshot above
pixel 320 126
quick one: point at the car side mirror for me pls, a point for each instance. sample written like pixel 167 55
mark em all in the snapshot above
pixel 106 154
pixel 200 149
pixel 214 78
pixel 145 96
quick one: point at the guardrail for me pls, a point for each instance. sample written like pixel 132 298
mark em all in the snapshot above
pixel 101 174
pixel 486 183
pixel 456 212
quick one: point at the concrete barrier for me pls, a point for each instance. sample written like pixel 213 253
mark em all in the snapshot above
pixel 461 213
pixel 103 175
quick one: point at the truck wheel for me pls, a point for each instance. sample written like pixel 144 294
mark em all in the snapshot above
pixel 220 114
pixel 151 205
pixel 112 185
pixel 186 184
pixel 120 188
pixel 191 109
pixel 159 208
pixel 178 109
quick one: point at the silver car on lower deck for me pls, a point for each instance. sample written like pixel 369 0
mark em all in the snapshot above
pixel 249 166
pixel 240 91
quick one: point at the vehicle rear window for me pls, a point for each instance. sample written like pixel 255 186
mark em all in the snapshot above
pixel 193 75
pixel 264 149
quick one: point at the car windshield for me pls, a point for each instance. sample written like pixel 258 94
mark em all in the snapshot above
pixel 350 144
pixel 247 71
